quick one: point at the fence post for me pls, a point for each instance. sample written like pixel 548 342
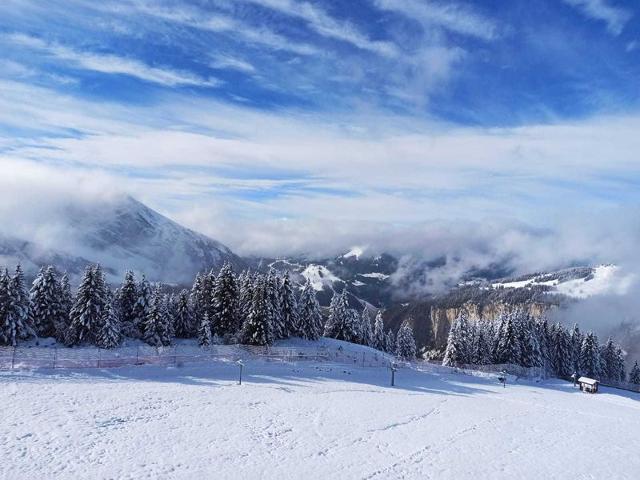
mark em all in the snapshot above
pixel 175 355
pixel 138 355
pixel 13 357
pixel 55 356
pixel 99 356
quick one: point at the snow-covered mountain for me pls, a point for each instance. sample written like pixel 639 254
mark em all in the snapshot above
pixel 121 234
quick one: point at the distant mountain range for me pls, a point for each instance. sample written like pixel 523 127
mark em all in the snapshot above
pixel 125 234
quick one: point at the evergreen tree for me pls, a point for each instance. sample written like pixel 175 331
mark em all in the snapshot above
pixel 590 365
pixel 289 308
pixel 109 332
pixel 12 325
pixel 127 299
pixel 342 323
pixel 562 360
pixel 47 316
pixel 378 332
pixel 389 342
pixel 22 306
pixel 621 373
pixel 183 320
pixel 88 308
pixel 309 316
pixel 634 375
pixel 66 303
pixel 140 309
pixel 482 351
pixel 246 297
pixel 156 326
pixel 275 301
pixel 258 329
pixel 508 349
pixel 205 338
pixel 458 343
pixel 366 332
pixel 225 303
pixel 576 347
pixel 405 342
pixel 609 361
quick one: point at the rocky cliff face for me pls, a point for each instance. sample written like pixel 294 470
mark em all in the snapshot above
pixel 431 321
pixel 442 318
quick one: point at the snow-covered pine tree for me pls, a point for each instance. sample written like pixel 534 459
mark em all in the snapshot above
pixel 309 316
pixel 405 342
pixel 458 347
pixel 620 367
pixel 390 342
pixel 156 325
pixel 366 332
pixel 273 296
pixel 225 303
pixel 246 297
pixel 562 362
pixel 22 305
pixel 127 298
pixel 12 325
pixel 608 360
pixel 47 316
pixel 484 335
pixel 205 337
pixel 289 307
pixel 109 332
pixel 141 308
pixel 336 310
pixel 183 321
pixel 508 350
pixel 530 341
pixel 66 302
pixel 634 375
pixel 576 347
pixel 257 329
pixel 196 299
pixel 170 307
pixel 590 364
pixel 378 332
pixel 88 308
pixel 342 323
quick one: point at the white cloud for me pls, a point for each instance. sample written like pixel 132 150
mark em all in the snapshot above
pixel 238 29
pixel 324 24
pixel 226 62
pixel 111 64
pixel 615 17
pixel 450 16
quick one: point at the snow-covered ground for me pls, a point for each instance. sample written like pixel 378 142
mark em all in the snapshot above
pixel 308 420
pixel 606 280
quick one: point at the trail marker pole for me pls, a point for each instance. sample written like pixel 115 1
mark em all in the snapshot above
pixel 393 367
pixel 241 365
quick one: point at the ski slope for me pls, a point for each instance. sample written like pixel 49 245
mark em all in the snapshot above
pixel 308 420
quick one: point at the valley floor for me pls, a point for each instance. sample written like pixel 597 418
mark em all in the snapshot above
pixel 311 420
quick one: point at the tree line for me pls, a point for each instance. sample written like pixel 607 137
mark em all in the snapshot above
pixel 224 307
pixel 520 339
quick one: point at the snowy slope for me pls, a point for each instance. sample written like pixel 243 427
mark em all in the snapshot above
pixel 310 420
pixel 600 280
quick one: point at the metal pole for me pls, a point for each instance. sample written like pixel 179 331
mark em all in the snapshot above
pixel 99 356
pixel 138 355
pixel 240 380
pixel 55 356
pixel 393 377
pixel 13 357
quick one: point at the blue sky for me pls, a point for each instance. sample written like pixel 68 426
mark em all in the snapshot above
pixel 272 123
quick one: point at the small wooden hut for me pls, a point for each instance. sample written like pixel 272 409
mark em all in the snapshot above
pixel 588 385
